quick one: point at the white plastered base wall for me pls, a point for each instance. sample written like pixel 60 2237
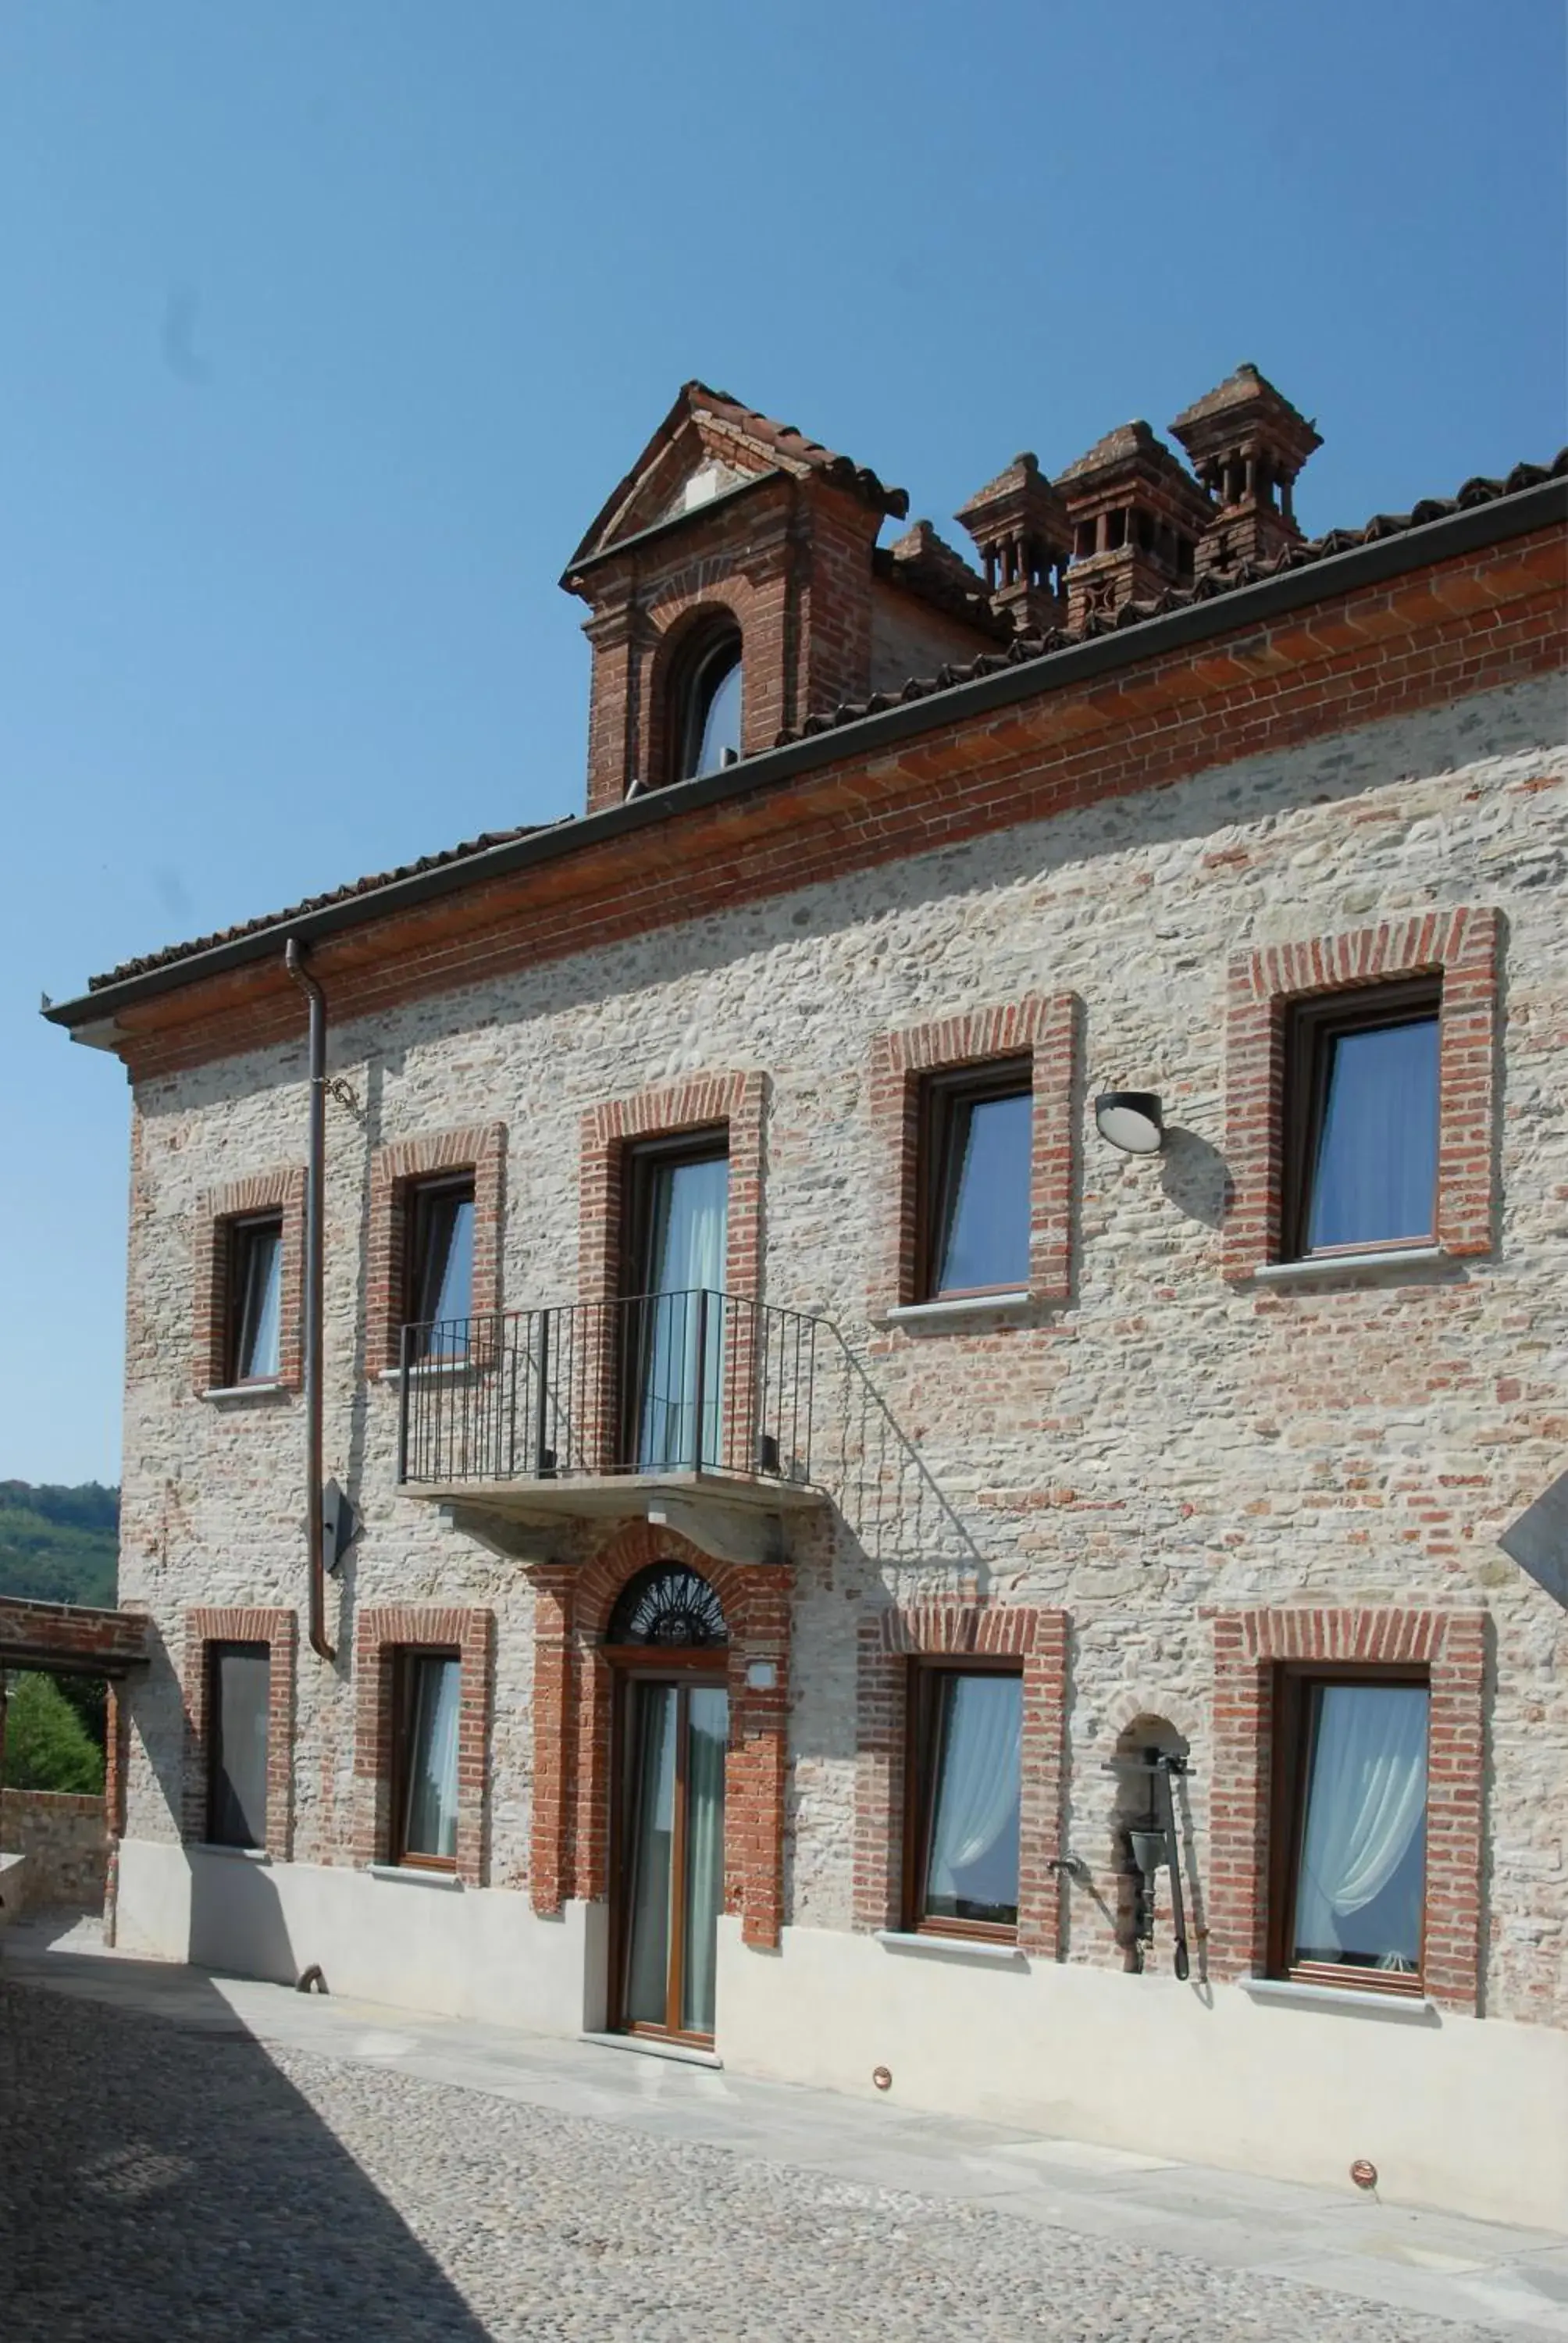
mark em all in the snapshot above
pixel 1463 2113
pixel 1460 2113
pixel 459 1952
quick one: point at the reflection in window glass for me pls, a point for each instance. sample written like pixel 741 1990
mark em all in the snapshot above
pixel 442 1280
pixel 983 1194
pixel 430 1758
pixel 1375 1175
pixel 971 1793
pixel 1361 1878
pixel 709 712
pixel 239 1685
pixel 258 1293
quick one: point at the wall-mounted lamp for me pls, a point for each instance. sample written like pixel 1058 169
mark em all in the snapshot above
pixel 1131 1120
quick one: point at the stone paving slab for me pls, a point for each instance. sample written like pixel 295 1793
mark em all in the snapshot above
pixel 182 2155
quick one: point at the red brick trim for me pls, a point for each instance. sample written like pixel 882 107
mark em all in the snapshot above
pixel 1247 1646
pixel 241 1624
pixel 1044 1026
pixel 480 1148
pixel 281 1190
pixel 573 1718
pixel 889 1639
pixel 379 1635
pixel 1462 946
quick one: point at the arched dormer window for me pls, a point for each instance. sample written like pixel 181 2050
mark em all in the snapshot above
pixel 707 705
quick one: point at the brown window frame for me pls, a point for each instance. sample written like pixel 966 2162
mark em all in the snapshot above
pixel 1293 1682
pixel 941 1093
pixel 405 1658
pixel 416 1198
pixel 216 1650
pixel 919 1786
pixel 238 1231
pixel 1313 1025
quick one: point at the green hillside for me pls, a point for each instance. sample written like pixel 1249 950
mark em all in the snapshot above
pixel 59 1545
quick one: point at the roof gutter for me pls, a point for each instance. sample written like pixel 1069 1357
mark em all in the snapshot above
pixel 1455 534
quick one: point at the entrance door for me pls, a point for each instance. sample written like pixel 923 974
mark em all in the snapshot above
pixel 670 1889
pixel 677 1323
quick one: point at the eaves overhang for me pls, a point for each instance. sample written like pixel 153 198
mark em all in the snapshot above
pixel 1448 538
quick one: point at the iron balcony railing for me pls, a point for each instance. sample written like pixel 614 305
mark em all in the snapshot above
pixel 695 1381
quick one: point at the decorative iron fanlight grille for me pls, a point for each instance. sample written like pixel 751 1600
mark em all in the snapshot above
pixel 671 1606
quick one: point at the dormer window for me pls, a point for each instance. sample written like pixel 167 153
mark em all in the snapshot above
pixel 708 706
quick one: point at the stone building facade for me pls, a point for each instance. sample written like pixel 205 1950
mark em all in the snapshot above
pixel 1129 830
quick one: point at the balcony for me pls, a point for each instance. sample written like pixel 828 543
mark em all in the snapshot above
pixel 693 1410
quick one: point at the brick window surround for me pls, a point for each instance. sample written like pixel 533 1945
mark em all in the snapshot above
pixel 480 1148
pixel 279 1191
pixel 1462 947
pixel 1042 1027
pixel 241 1624
pixel 574 1708
pixel 379 1635
pixel 736 1100
pixel 890 1638
pixel 1248 1645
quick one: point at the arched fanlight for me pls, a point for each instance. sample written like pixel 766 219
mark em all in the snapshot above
pixel 669 1606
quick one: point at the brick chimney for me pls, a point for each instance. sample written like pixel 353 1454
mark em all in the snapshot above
pixel 1021 528
pixel 1137 515
pixel 1246 444
pixel 736 554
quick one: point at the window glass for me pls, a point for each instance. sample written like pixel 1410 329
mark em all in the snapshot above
pixel 431 1707
pixel 441 1285
pixel 238 1691
pixel 981 1189
pixel 258 1296
pixel 720 741
pixel 1374 1178
pixel 684 1242
pixel 970 1797
pixel 1361 1875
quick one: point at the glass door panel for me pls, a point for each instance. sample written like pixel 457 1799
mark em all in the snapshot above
pixel 679 1342
pixel 672 1874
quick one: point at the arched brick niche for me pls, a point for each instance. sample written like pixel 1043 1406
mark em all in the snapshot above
pixel 890 1640
pixel 574 1701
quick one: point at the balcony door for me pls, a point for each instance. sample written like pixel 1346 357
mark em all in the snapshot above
pixel 675 1346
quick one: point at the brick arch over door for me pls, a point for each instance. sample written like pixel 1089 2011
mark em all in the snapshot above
pixel 574 1694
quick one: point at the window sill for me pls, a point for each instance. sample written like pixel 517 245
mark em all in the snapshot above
pixel 1347 1265
pixel 938 1314
pixel 649 2045
pixel 414 1874
pixel 274 1388
pixel 233 1853
pixel 1412 2008
pixel 967 1948
pixel 430 1370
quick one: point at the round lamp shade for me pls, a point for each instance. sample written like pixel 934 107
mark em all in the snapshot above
pixel 1131 1120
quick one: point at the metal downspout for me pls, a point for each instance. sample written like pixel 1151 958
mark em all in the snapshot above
pixel 293 961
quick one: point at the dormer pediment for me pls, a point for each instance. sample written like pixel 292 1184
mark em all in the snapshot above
pixel 708 445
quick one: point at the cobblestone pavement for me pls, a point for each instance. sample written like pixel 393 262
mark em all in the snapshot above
pixel 158 2183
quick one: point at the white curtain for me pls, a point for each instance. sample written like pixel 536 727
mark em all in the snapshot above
pixel 976 1789
pixel 1376 1171
pixel 1366 1801
pixel 690 1223
pixel 708 1738
pixel 263 1307
pixel 432 1825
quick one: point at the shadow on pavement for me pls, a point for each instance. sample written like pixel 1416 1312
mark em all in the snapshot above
pixel 160 2182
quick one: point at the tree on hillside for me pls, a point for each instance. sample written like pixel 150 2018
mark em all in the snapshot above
pixel 47 1746
pixel 60 1545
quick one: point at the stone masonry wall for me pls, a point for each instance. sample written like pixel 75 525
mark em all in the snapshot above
pixel 1161 1444
pixel 65 1843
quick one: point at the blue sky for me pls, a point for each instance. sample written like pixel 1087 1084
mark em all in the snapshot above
pixel 328 326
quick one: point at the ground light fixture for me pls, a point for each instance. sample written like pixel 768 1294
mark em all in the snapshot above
pixel 1131 1120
